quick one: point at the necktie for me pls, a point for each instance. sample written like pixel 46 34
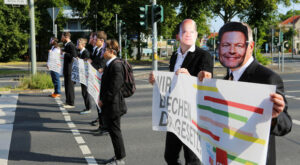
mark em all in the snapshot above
pixel 230 76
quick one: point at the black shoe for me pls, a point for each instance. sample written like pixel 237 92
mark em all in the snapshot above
pixel 94 122
pixel 101 132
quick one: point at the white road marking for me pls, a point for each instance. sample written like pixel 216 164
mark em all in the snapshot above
pixel 90 159
pixel 297 122
pixel 79 140
pixel 85 149
pixel 288 96
pixel 296 91
pixel 291 80
pixel 8 105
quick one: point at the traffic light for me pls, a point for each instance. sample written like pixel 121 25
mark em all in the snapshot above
pixel 276 40
pixel 281 37
pixel 158 13
pixel 123 27
pixel 143 16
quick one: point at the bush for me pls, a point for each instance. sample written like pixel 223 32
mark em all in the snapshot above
pixel 37 81
pixel 261 59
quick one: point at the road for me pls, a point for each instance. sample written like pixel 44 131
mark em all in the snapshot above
pixel 44 133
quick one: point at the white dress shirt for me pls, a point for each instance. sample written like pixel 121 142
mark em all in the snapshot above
pixel 239 72
pixel 181 57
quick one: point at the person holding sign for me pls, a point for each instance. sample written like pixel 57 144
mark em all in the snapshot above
pixel 85 55
pixel 235 53
pixel 69 52
pixel 112 101
pixel 54 55
pixel 188 59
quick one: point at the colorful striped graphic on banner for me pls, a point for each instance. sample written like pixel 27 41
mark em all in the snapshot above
pixel 234 104
pixel 244 137
pixel 237 159
pixel 223 113
pixel 205 88
pixel 217 138
pixel 221 125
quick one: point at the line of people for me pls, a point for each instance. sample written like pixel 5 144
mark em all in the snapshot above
pixel 235 53
pixel 103 58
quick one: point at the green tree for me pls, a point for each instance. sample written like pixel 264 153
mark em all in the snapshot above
pixel 14 27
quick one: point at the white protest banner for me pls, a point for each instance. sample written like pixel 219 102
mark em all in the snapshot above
pixel 75 71
pixel 222 122
pixel 55 61
pixel 82 71
pixel 94 83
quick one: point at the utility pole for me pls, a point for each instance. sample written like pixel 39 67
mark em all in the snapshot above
pixel 32 36
pixel 279 41
pixel 154 38
pixel 293 32
pixel 272 42
pixel 120 38
pixel 255 31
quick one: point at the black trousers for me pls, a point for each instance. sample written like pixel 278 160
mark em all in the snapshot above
pixel 173 148
pixel 86 97
pixel 114 129
pixel 69 89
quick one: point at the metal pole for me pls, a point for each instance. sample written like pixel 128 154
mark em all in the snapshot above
pixel 279 49
pixel 154 39
pixel 293 33
pixel 32 36
pixel 116 23
pixel 255 31
pixel 125 47
pixel 120 39
pixel 214 49
pixel 53 22
pixel 282 62
pixel 272 41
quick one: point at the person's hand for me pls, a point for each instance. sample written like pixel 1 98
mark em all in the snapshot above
pixel 151 78
pixel 278 105
pixel 89 60
pixel 204 74
pixel 47 67
pixel 100 104
pixel 100 70
pixel 183 71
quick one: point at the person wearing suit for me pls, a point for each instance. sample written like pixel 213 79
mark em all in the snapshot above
pixel 85 55
pixel 235 53
pixel 98 62
pixel 69 52
pixel 91 44
pixel 188 59
pixel 112 101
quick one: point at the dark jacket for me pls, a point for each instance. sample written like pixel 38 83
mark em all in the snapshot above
pixel 194 62
pixel 281 125
pixel 70 52
pixel 97 58
pixel 84 55
pixel 112 80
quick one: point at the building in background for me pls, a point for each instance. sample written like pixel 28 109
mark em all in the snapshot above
pixel 293 22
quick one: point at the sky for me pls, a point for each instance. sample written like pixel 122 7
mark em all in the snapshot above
pixel 217 22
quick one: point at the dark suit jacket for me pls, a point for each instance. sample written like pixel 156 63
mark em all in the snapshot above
pixel 85 54
pixel 98 60
pixel 194 62
pixel 70 52
pixel 112 80
pixel 281 125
